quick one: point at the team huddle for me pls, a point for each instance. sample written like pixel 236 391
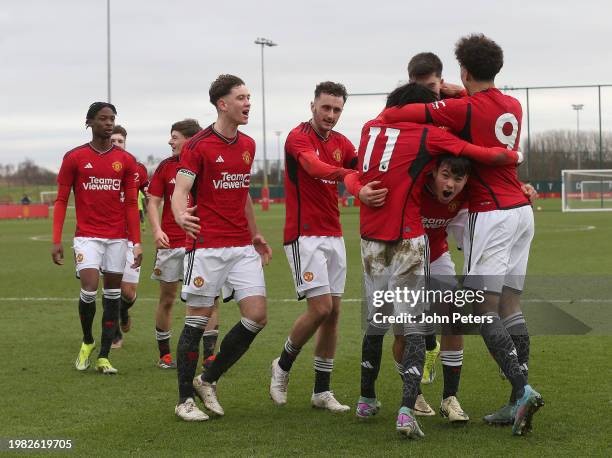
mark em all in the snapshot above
pixel 439 159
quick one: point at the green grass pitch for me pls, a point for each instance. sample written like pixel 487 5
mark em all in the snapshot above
pixel 43 396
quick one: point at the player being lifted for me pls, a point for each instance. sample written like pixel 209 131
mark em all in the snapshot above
pixel 394 254
pixel 501 219
pixel 97 172
pixel 170 242
pixel 316 158
pixel 131 275
pixel 426 69
pixel 225 247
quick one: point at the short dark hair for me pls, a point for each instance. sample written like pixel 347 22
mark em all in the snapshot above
pixel 480 56
pixel 188 127
pixel 119 129
pixel 410 93
pixel 424 64
pixel 458 165
pixel 222 86
pixel 97 106
pixel 331 88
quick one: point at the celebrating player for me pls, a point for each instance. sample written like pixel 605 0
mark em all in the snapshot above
pixel 501 219
pixel 97 172
pixel 394 253
pixel 316 158
pixel 225 247
pixel 169 240
pixel 426 69
pixel 131 275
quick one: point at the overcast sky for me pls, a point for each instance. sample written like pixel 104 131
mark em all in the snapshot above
pixel 166 53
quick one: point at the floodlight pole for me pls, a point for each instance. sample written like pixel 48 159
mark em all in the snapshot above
pixel 108 52
pixel 280 158
pixel 578 107
pixel 263 42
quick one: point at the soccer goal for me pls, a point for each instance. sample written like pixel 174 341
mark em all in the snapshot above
pixel 586 190
pixel 48 197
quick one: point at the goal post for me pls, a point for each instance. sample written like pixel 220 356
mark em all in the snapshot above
pixel 586 190
pixel 48 197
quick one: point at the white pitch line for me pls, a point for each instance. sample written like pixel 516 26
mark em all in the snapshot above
pixel 271 299
pixel 567 229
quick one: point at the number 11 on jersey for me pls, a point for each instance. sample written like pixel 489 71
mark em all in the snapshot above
pixel 391 135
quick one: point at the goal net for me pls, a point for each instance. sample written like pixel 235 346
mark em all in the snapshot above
pixel 586 190
pixel 48 197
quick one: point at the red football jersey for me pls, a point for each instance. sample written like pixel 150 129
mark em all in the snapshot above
pixel 98 181
pixel 311 204
pixel 487 118
pixel 436 218
pixel 162 185
pixel 397 156
pixel 222 171
pixel 142 177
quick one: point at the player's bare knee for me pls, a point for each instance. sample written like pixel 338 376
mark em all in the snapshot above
pixel 258 315
pixel 112 280
pixel 320 306
pixel 197 311
pixel 166 304
pixel 128 291
pixel 510 302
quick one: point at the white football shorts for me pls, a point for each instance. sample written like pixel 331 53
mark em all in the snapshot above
pixel 318 265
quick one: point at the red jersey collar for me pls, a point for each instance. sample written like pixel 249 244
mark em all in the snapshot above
pixel 229 141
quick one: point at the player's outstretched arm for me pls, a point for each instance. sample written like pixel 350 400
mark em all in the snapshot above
pixel 159 236
pixel 413 112
pixel 59 215
pixel 316 168
pixel 185 217
pixel 440 141
pixel 496 155
pixel 260 244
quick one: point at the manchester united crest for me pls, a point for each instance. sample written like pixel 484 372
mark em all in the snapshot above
pixel 337 155
pixel 157 271
pixel 117 166
pixel 452 207
pixel 246 157
pixel 198 282
pixel 79 257
pixel 308 276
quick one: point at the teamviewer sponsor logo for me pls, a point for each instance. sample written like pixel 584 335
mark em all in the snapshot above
pixel 232 181
pixel 102 184
pixel 434 223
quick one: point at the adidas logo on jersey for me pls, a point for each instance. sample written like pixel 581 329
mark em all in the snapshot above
pixel 89 166
pixel 172 181
pixel 220 159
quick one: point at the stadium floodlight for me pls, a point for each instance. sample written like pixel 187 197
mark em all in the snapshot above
pixel 577 107
pixel 263 42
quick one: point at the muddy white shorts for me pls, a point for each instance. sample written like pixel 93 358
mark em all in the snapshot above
pixel 395 280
